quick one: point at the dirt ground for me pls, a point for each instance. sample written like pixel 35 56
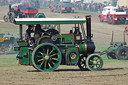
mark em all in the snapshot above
pixel 112 73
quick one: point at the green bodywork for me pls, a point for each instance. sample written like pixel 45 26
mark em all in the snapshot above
pixel 51 50
pixel 26 51
pixel 65 38
pixel 49 22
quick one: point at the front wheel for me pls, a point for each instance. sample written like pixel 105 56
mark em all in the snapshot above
pixel 6 18
pixel 94 62
pixel 82 63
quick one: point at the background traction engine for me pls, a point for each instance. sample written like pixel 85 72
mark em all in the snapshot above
pixel 66 49
pixel 6 44
pixel 22 11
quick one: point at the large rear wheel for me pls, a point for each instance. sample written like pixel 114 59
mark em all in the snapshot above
pixel 12 17
pixel 46 57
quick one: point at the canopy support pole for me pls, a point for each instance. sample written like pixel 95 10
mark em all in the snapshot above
pixel 58 28
pixel 21 32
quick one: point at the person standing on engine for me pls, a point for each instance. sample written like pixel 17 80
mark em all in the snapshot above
pixel 38 32
pixel 28 37
pixel 29 31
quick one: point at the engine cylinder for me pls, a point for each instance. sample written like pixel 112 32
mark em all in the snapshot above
pixel 87 47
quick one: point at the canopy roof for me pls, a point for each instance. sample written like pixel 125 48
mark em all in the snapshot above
pixel 17 4
pixel 49 20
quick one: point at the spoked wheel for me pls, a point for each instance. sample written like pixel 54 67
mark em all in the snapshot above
pixel 11 18
pixel 94 62
pixel 6 18
pixel 46 57
pixel 82 63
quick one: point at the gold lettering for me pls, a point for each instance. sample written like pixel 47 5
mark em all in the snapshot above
pixel 4 38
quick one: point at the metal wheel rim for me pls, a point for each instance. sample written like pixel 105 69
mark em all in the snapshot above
pixel 5 18
pixel 94 62
pixel 82 63
pixel 46 59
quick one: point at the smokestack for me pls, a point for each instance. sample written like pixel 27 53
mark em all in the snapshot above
pixel 88 27
pixel 9 7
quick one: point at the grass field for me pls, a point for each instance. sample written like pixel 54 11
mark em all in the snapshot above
pixel 8 60
pixel 14 29
pixel 114 72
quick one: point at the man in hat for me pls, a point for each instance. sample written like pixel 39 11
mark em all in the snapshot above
pixel 28 34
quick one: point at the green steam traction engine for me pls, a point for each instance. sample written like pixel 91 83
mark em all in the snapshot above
pixel 54 49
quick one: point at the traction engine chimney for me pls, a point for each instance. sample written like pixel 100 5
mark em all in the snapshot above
pixel 9 7
pixel 88 27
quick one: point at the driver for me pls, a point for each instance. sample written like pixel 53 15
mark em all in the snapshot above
pixel 38 32
pixel 28 34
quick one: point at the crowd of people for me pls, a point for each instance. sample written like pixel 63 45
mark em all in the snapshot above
pixel 44 3
pixel 90 6
pixel 95 7
pixel 3 2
